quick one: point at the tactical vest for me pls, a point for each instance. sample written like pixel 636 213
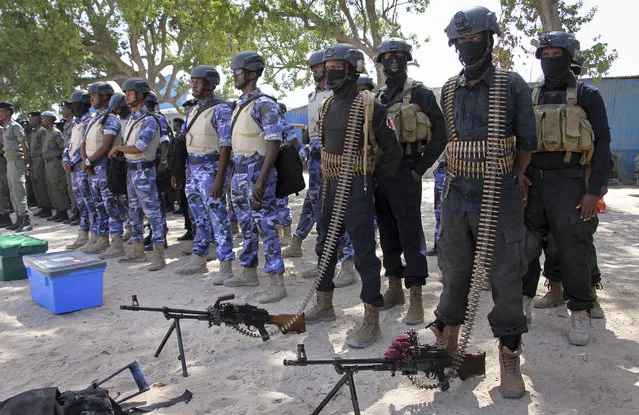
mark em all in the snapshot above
pixel 132 131
pixel 247 137
pixel 564 127
pixel 77 134
pixel 411 123
pixel 314 101
pixel 94 138
pixel 202 137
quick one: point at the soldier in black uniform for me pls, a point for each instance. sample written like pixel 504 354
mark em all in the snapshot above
pixel 473 185
pixel 351 110
pixel 421 132
pixel 568 176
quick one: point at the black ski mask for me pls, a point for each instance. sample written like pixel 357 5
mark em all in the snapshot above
pixel 400 60
pixel 80 108
pixel 471 52
pixel 556 69
pixel 337 79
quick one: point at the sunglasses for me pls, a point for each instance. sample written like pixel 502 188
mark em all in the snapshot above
pixel 239 71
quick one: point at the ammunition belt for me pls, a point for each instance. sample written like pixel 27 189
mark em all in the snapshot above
pixel 331 165
pixel 467 159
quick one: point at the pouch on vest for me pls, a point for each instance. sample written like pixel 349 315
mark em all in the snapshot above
pixel 579 134
pixel 551 125
pixel 290 178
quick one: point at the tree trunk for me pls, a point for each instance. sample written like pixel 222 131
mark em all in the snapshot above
pixel 549 14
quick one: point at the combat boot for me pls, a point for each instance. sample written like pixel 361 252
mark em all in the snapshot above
pixel 432 251
pixel 127 234
pixel 137 253
pixel 75 215
pixel 53 218
pixel 275 291
pixel 512 383
pixel 212 256
pixel 197 265
pixel 5 221
pixel 553 298
pixel 188 236
pixel 596 311
pixel 528 309
pixel 247 278
pixel 157 258
pixel 19 222
pixel 43 213
pixel 188 248
pixel 115 249
pixel 62 216
pixel 322 310
pixel 225 273
pixel 447 339
pixel 294 250
pixel 369 331
pixel 25 224
pixel 99 246
pixel 309 274
pixel 395 294
pixel 579 332
pixel 415 313
pixel 285 239
pixel 346 275
pixel 93 238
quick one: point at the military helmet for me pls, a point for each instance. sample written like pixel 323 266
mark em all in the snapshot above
pixel 65 103
pixel 557 39
pixel 248 60
pixel 316 58
pixel 474 20
pixel 101 88
pixel 394 45
pixel 365 80
pixel 206 72
pixel 117 100
pixel 348 53
pixel 137 84
pixel 81 96
pixel 151 97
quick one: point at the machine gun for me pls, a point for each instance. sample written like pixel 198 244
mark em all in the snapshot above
pixel 406 356
pixel 244 318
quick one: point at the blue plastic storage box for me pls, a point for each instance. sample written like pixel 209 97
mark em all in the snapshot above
pixel 65 281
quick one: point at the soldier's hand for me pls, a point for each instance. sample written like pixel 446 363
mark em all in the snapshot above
pixel 258 190
pixel 588 206
pixel 66 167
pixel 216 189
pixel 524 187
pixel 113 151
pixel 175 183
pixel 162 171
pixel 416 176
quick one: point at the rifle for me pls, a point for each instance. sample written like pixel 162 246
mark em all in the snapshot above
pixel 415 358
pixel 244 318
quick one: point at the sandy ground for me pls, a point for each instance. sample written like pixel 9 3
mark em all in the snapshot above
pixel 233 374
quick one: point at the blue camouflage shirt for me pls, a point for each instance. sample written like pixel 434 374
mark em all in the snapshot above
pixel 220 120
pixel 164 127
pixel 73 159
pixel 266 114
pixel 148 130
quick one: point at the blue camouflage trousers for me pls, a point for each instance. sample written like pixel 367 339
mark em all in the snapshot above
pixel 143 201
pixel 82 192
pixel 311 206
pixel 106 205
pixel 440 176
pixel 284 217
pixel 256 222
pixel 209 214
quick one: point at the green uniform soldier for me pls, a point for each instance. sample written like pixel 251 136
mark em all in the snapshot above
pixel 5 197
pixel 56 181
pixel 36 173
pixel 67 118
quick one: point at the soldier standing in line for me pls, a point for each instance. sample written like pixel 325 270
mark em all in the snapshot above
pixel 365 83
pixel 284 218
pixel 5 195
pixel 482 206
pixel 103 132
pixel 353 127
pixel 256 130
pixel 52 148
pixel 311 206
pixel 36 171
pixel 118 106
pixel 72 163
pixel 67 126
pixel 422 134
pixel 184 204
pixel 567 176
pixel 207 133
pixel 16 153
pixel 141 138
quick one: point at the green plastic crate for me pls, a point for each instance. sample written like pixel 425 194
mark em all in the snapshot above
pixel 12 248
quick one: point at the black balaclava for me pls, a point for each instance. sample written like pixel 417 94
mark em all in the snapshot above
pixel 476 56
pixel 338 79
pixel 556 70
pixel 80 108
pixel 394 80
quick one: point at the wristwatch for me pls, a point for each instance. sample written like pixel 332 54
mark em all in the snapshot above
pixel 87 162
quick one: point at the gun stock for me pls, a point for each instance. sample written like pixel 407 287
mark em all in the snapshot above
pixel 280 320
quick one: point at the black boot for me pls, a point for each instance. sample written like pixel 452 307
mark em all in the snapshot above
pixel 19 222
pixel 63 216
pixel 5 220
pixel 75 214
pixel 25 224
pixel 432 251
pixel 54 218
pixel 188 236
pixel 44 213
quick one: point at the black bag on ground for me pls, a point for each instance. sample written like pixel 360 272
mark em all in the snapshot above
pixel 116 175
pixel 49 401
pixel 290 178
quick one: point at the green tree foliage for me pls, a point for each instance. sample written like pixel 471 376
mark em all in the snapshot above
pixel 526 19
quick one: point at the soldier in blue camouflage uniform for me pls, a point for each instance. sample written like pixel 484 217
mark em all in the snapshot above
pixel 440 176
pixel 103 132
pixel 207 132
pixel 256 130
pixel 119 107
pixel 310 208
pixel 71 162
pixel 141 137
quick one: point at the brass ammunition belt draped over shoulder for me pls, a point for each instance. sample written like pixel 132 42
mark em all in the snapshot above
pixel 467 159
